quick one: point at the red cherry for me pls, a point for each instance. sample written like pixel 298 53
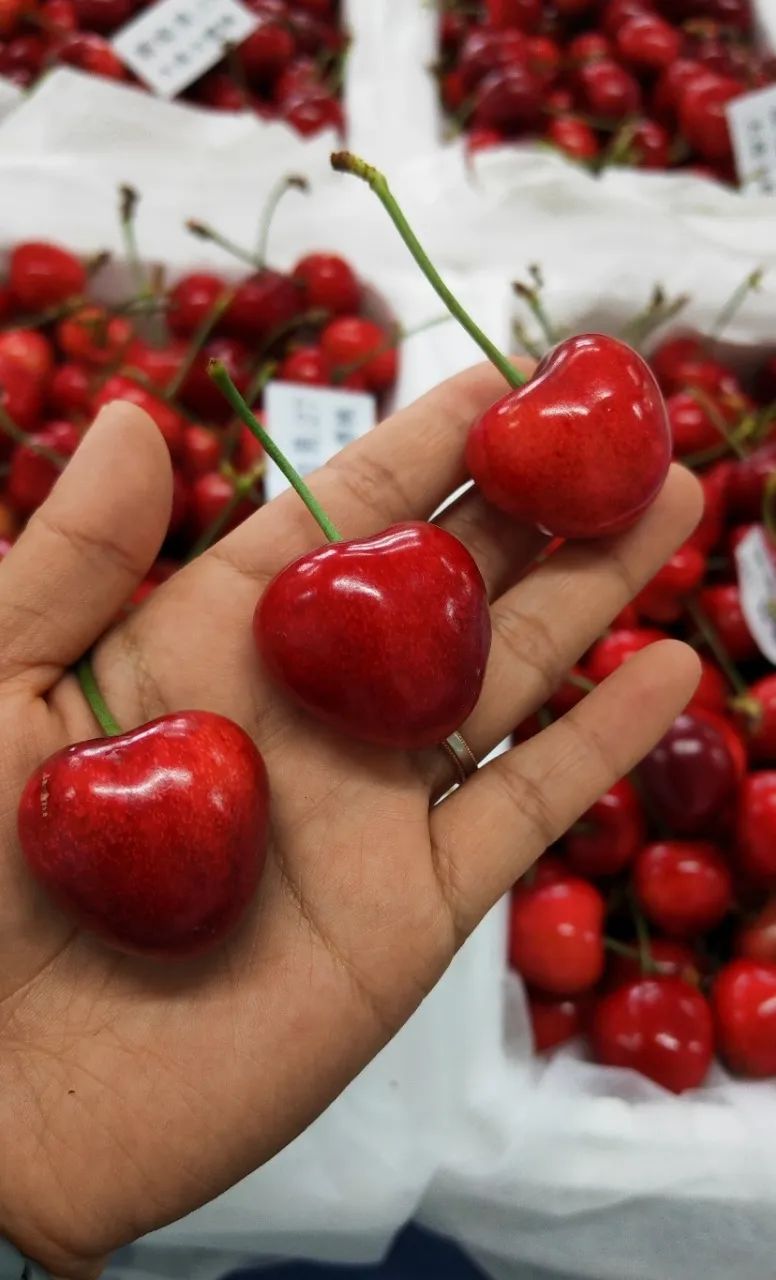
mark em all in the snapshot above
pixel 544 59
pixel 536 453
pixel 485 50
pixel 747 480
pixel 21 394
pixel 573 8
pixel 483 139
pixel 692 427
pixel 732 737
pixel 711 693
pixel 327 281
pixel 352 340
pixel 267 51
pixel 314 112
pixel 200 394
pixel 70 390
pixel 684 887
pixel 200 451
pixel 650 145
pixel 611 651
pixel 104 16
pixel 765 380
pixel 669 358
pixel 508 98
pixel 313 36
pixel 669 959
pixel 89 52
pixel 756 828
pixel 608 89
pixel 94 337
pixel 307 365
pixel 556 939
pixel 507 14
pixel 722 606
pixel 160 365
pixel 547 869
pixel 744 1001
pixel 757 940
pixel 167 419
pixel 28 348
pixel 25 53
pixel 703 117
pixel 690 776
pixel 648 42
pixel 574 136
pixel 554 1022
pixel 452 29
pixel 11 12
pixel 209 495
pixel 58 16
pixel 155 839
pixel 42 275
pixel 192 300
pixel 671 84
pixel 617 12
pixel 263 304
pixel 663 599
pixel 618 830
pixel 761 730
pixel 32 476
pixel 396 686
pixel 452 89
pixel 660 1027
pixel 590 46
pixel 716 484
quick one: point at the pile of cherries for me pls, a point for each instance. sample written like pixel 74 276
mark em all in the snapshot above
pixel 651 928
pixel 63 355
pixel 634 82
pixel 288 69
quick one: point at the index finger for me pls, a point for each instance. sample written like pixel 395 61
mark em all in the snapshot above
pixel 403 469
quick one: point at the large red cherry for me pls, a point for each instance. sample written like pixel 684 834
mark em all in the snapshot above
pixel 153 839
pixel 385 638
pixel 583 448
pixel 744 999
pixel 661 1027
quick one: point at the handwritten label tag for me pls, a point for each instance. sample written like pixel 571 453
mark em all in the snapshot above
pixel 752 120
pixel 757 586
pixel 175 42
pixel 311 424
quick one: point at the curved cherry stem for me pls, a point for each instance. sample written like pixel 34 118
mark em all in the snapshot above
pixel 739 295
pixel 225 385
pixel 91 691
pixel 345 162
pixel 292 182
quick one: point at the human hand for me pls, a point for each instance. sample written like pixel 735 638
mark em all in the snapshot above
pixel 130 1093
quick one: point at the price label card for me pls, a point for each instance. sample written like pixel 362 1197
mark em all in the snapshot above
pixel 757 587
pixel 752 120
pixel 311 424
pixel 174 42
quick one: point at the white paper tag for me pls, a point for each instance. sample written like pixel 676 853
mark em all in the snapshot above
pixel 311 424
pixel 752 120
pixel 175 42
pixel 757 587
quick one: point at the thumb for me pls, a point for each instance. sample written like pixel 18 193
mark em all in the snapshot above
pixel 86 548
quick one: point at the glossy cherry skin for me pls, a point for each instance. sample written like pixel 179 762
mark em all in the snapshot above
pixel 722 605
pixel 616 13
pixel 192 300
pixel 574 137
pixel 611 651
pixel 32 476
pixel 671 84
pixel 690 776
pixel 744 1001
pixel 692 428
pixel 618 831
pixel 354 340
pixel 263 304
pixel 555 1022
pixel 537 453
pixel 42 275
pixel 668 958
pixel 267 50
pixel 547 869
pixel 658 1026
pixel 684 887
pixel 90 52
pixel 702 114
pixel 28 348
pixel 327 281
pixel 756 826
pixel 608 89
pixel 664 597
pixel 556 936
pixel 757 940
pixel 156 839
pixel 715 483
pixel 328 633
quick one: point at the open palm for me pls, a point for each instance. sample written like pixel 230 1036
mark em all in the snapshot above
pixel 131 1092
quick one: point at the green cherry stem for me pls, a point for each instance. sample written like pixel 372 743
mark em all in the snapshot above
pixel 205 232
pixel 91 691
pixel 225 385
pixel 709 633
pixel 9 428
pixel 291 182
pixel 733 305
pixel 345 162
